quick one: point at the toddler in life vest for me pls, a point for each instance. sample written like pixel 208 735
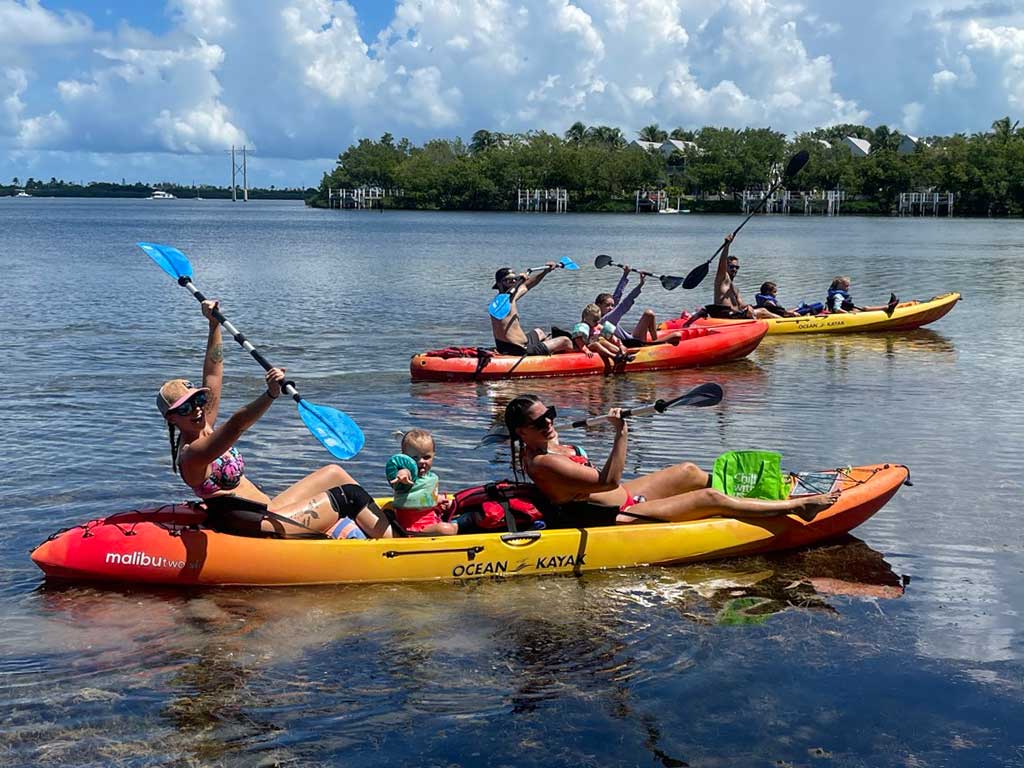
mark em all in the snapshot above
pixel 591 335
pixel 417 503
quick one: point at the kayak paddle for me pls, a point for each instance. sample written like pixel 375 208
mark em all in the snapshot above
pixel 701 396
pixel 501 304
pixel 668 282
pixel 793 167
pixel 334 429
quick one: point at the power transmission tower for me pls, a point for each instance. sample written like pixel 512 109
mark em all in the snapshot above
pixel 235 168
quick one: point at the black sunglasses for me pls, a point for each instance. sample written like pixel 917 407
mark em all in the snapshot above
pixel 197 400
pixel 547 417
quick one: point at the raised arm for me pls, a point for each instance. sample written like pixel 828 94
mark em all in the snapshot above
pixel 722 280
pixel 213 362
pixel 532 280
pixel 577 480
pixel 200 452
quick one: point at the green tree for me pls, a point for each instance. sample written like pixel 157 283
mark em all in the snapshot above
pixel 652 133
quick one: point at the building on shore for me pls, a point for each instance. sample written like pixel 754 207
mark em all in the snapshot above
pixel 857 147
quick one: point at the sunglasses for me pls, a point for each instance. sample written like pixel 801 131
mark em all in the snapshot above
pixel 196 401
pixel 548 417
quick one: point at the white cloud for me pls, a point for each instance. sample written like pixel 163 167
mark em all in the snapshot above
pixel 912 114
pixel 297 77
pixel 27 24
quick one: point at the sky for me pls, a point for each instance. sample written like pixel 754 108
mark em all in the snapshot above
pixel 159 90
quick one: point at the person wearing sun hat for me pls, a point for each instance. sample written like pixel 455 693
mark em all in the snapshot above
pixel 204 454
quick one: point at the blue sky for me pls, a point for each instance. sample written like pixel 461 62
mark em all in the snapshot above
pixel 158 90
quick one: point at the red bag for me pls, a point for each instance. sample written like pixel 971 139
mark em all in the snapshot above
pixel 499 506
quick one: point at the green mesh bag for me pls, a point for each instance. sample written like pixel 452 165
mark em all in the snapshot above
pixel 750 474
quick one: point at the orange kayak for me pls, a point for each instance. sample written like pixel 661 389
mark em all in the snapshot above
pixel 170 545
pixel 698 347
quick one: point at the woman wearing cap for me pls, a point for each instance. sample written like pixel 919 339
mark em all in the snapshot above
pixel 327 500
pixel 584 495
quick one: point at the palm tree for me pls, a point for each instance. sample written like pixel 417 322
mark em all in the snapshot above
pixel 577 133
pixel 606 135
pixel 482 141
pixel 682 134
pixel 1003 130
pixel 652 133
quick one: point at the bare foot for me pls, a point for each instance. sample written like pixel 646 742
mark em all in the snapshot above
pixel 674 338
pixel 808 507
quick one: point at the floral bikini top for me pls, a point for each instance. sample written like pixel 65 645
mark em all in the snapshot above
pixel 223 474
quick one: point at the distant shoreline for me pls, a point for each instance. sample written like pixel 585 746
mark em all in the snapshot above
pixel 139 191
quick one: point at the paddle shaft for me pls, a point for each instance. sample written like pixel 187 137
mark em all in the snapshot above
pixel 288 388
pixel 647 410
pixel 753 213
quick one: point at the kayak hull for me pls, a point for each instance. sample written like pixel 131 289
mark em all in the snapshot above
pixel 698 347
pixel 169 546
pixel 906 317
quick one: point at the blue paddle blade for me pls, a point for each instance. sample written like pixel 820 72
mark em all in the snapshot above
pixel 170 260
pixel 335 430
pixel 500 306
pixel 568 263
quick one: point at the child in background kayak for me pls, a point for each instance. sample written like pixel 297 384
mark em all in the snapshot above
pixel 203 453
pixel 840 301
pixel 768 299
pixel 592 336
pixel 417 503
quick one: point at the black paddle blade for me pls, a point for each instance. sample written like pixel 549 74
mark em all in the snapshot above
pixel 696 276
pixel 796 163
pixel 496 434
pixel 603 260
pixel 670 283
pixel 698 397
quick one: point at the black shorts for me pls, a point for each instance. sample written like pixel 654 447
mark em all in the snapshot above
pixel 722 312
pixel 582 514
pixel 244 517
pixel 534 346
pixel 631 343
pixel 775 309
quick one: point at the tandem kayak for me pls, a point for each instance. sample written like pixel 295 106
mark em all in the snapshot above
pixel 169 545
pixel 698 347
pixel 907 316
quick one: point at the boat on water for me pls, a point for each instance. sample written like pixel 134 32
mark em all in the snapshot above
pixel 159 194
pixel 22 193
pixel 171 546
pixel 698 347
pixel 907 316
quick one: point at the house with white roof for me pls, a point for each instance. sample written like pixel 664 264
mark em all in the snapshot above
pixel 671 146
pixel 857 147
pixel 649 146
pixel 908 145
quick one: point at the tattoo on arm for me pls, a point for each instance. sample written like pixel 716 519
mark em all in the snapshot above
pixel 216 353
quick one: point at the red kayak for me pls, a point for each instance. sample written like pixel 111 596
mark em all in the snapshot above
pixel 698 347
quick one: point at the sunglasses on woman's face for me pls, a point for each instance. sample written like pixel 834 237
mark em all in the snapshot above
pixel 196 401
pixel 542 421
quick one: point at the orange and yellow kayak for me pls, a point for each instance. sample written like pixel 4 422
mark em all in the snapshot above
pixel 907 316
pixel 169 545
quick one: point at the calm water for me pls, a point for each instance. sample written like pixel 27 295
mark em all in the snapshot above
pixel 902 647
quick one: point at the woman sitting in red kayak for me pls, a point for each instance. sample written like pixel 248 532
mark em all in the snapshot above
pixel 327 500
pixel 585 495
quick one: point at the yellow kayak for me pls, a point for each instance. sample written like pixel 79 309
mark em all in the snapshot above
pixel 907 316
pixel 169 545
